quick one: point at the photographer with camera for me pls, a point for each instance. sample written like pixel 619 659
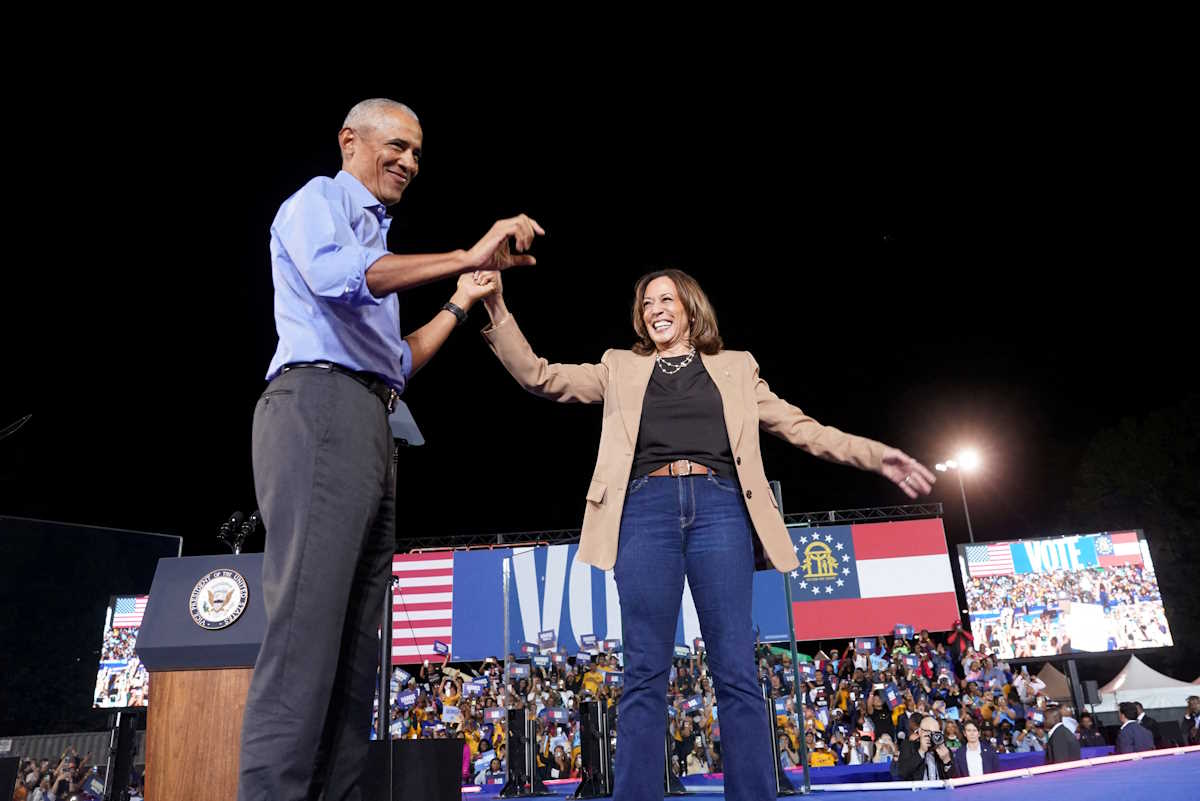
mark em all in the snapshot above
pixel 924 756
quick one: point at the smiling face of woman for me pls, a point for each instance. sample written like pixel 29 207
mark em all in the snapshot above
pixel 672 315
pixel 666 318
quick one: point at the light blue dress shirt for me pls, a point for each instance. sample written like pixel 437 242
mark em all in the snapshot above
pixel 323 239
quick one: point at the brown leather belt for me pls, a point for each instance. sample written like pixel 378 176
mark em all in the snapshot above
pixel 682 467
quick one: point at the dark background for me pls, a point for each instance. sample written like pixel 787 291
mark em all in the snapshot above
pixel 989 260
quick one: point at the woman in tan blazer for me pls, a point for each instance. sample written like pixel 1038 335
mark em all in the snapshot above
pixel 679 489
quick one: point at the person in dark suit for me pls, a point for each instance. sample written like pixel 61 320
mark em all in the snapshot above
pixel 1132 736
pixel 1149 723
pixel 976 756
pixel 1087 733
pixel 1061 744
pixel 1191 719
pixel 920 759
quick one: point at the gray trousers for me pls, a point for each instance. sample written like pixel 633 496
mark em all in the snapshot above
pixel 325 483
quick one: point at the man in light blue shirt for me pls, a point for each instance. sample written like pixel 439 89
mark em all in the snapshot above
pixel 322 449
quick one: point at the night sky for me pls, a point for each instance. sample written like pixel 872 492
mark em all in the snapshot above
pixel 927 264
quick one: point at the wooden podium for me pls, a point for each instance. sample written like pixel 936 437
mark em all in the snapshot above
pixel 199 678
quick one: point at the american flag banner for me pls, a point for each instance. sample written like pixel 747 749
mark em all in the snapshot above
pixel 990 560
pixel 422 605
pixel 128 611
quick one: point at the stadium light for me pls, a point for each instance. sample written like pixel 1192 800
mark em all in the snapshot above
pixel 967 461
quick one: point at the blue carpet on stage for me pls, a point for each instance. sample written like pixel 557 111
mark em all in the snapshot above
pixel 1170 776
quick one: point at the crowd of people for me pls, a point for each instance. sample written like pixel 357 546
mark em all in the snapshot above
pixel 71 778
pixel 122 681
pixel 1028 615
pixel 441 701
pixel 935 710
pixel 118 643
pixel 929 708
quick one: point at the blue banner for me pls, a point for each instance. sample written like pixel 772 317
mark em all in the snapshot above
pixel 1046 556
pixel 552 591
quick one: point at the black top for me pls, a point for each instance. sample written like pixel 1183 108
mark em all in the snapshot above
pixel 682 418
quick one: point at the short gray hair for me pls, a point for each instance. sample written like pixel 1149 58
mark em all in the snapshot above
pixel 370 113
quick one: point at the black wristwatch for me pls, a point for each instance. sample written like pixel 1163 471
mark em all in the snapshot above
pixel 460 314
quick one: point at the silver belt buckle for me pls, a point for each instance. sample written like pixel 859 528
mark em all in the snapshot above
pixel 685 464
pixel 393 396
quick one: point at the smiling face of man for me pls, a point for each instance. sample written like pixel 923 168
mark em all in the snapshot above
pixel 383 152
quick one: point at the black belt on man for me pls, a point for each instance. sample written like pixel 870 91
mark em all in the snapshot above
pixel 375 384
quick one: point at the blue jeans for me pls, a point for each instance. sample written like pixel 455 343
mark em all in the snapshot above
pixel 695 526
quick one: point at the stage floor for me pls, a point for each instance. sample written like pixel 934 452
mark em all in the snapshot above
pixel 1167 776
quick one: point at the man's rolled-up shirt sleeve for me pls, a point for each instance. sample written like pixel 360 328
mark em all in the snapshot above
pixel 315 231
pixel 406 360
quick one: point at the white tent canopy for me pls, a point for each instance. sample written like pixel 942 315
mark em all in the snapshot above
pixel 1057 687
pixel 1137 681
